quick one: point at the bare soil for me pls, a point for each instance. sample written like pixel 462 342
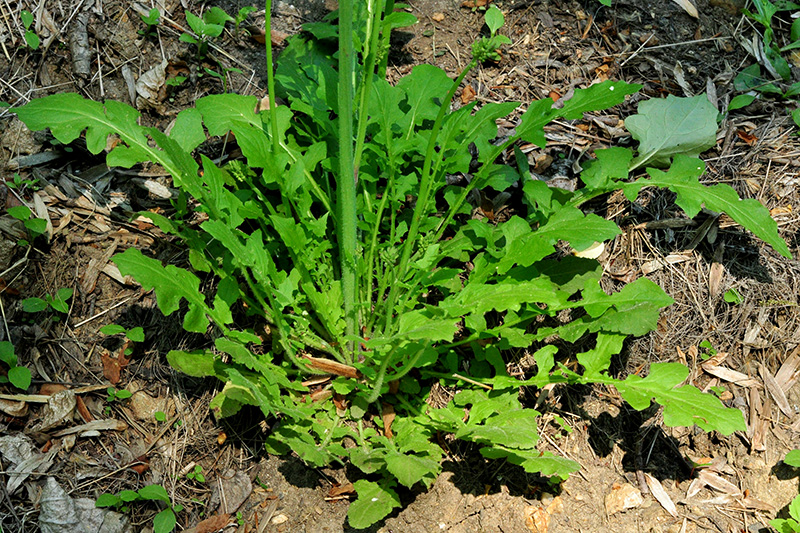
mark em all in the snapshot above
pixel 557 46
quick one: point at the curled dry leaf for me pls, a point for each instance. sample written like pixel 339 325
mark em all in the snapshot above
pixel 537 519
pixel 212 523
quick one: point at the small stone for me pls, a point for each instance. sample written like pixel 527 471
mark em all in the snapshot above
pixel 622 497
pixel 437 17
pixel 279 519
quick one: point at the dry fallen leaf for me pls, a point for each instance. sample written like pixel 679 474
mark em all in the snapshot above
pixel 687 6
pixel 658 492
pixel 467 95
pixel 537 519
pixel 472 4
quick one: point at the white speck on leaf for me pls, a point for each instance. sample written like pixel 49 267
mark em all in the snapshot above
pixel 374 499
pixel 611 88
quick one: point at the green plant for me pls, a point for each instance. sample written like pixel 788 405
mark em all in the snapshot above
pixel 206 29
pixel 196 474
pixel 18 183
pixel 151 20
pixel 17 375
pixel 792 524
pixel 732 296
pixel 776 74
pixel 241 16
pixel 135 334
pixel 115 395
pixel 163 522
pixel 58 302
pixel 222 77
pixel 160 416
pixel 34 226
pixel 31 39
pixel 344 235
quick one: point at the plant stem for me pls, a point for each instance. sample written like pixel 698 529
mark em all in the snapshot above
pixel 426 182
pixel 346 180
pixel 273 110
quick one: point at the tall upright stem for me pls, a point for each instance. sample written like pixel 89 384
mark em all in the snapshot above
pixel 273 111
pixel 346 180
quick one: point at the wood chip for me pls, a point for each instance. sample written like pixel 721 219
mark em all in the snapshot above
pixel 109 424
pixel 658 492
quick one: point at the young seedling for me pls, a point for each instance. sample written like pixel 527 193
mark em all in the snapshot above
pixel 206 29
pixel 241 16
pixel 164 522
pixel 31 39
pixel 19 376
pixel 58 302
pixel 132 335
pixel 151 20
pixel 222 77
pixel 115 395
pixel 34 226
pixel 196 474
pixel 20 184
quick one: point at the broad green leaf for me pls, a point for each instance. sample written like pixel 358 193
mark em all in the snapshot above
pixel 20 377
pixel 136 334
pixel 375 501
pixel 515 429
pixel 106 500
pixel 171 285
pixel 672 126
pixel 682 179
pixel 198 364
pixel 154 492
pixel 188 129
pixel 481 298
pixel 112 329
pixel 533 461
pixel 683 405
pixel 20 212
pixel 610 166
pixel 33 305
pixel 128 495
pixel 597 97
pixel 410 469
pixel 425 88
pixel 165 521
pixel 533 121
pixel 572 225
pixel 598 359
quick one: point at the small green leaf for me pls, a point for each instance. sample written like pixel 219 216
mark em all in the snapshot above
pixel 33 305
pixel 374 503
pixel 112 329
pixel 20 377
pixel 154 492
pixel 160 416
pixel 732 296
pixel 135 334
pixel 672 126
pixel 107 500
pixel 494 19
pixel 7 354
pixel 123 394
pixel 20 212
pixel 741 100
pixel 26 17
pixel 792 458
pixel 128 495
pixel 165 521
pixel 32 40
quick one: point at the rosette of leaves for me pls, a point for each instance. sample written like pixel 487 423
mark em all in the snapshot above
pixel 341 232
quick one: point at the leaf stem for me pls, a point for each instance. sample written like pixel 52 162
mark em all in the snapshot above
pixel 273 110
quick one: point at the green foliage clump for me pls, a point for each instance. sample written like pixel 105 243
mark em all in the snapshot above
pixel 342 232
